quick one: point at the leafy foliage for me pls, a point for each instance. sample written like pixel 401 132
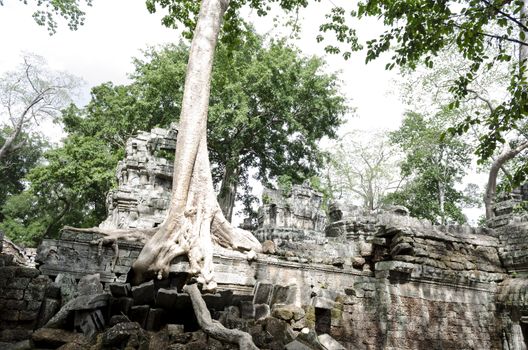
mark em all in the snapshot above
pixel 18 163
pixel 433 165
pixel 268 108
pixel 362 168
pixel 484 32
pixel 69 188
pixel 69 10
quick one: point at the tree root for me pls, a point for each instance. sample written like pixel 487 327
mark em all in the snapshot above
pixel 214 328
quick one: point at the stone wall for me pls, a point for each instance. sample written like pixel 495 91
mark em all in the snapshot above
pixel 402 283
pixel 22 292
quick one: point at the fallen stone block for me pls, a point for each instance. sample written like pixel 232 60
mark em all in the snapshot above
pixel 155 320
pixel 120 289
pixel 118 319
pixel 83 302
pixel 297 345
pixel 139 314
pixel 120 333
pixel 166 298
pixel 308 337
pixel 330 343
pixel 145 293
pixel 262 292
pixel 90 284
pixel 262 311
pixel 247 310
pixel 53 338
pixel 89 322
pixel 119 306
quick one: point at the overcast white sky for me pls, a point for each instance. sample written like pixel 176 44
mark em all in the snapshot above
pixel 116 30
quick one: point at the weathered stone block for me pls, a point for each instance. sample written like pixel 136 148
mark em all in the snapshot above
pixel 12 304
pixel 297 345
pixel 13 294
pixel 144 293
pixel 26 315
pixel 323 303
pixel 7 272
pixel 120 305
pixel 89 322
pixel 48 310
pixel 90 284
pixel 27 272
pixel 262 292
pixel 120 289
pixel 67 285
pixel 330 343
pixel 155 320
pixel 287 312
pixel 167 298
pixel 9 315
pixel 115 319
pixel 214 301
pixel 18 283
pixel 53 338
pixel 283 295
pixel 14 334
pixel 118 334
pixel 247 310
pixel 53 291
pixel 139 314
pixel 262 311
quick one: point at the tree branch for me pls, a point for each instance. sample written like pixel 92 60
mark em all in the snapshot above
pixel 506 15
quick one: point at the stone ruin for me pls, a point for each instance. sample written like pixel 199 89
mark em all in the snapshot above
pixel 144 180
pixel 352 279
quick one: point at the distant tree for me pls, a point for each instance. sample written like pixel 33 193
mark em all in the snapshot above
pixel 485 33
pixel 16 165
pixel 427 90
pixel 29 95
pixel 433 165
pixel 68 188
pixel 363 167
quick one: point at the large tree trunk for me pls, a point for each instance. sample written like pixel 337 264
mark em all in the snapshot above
pixel 441 202
pixel 228 190
pixel 195 221
pixel 491 187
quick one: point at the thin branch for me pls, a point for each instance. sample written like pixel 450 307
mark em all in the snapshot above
pixel 508 16
pixel 485 100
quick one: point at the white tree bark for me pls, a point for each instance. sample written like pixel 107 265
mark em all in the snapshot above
pixel 194 222
pixel 491 187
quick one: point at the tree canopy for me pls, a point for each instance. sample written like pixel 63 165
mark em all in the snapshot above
pixel 433 167
pixel 486 33
pixel 363 167
pixel 269 107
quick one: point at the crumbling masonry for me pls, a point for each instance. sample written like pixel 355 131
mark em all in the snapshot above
pixel 351 279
